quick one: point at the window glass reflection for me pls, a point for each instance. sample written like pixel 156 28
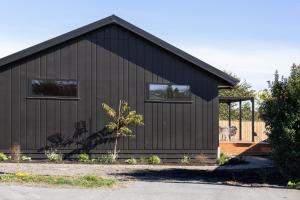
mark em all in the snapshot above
pixel 54 88
pixel 169 92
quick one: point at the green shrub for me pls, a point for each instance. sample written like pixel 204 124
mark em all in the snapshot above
pixel 154 160
pixel 3 157
pixel 292 184
pixel 108 158
pixel 53 155
pixel 281 113
pixel 131 161
pixel 223 160
pixel 226 160
pixel 25 158
pixel 185 159
pixel 83 157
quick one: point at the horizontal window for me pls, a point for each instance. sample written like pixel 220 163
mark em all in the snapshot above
pixel 53 88
pixel 169 92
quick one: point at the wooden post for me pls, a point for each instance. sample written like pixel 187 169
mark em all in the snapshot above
pixel 229 114
pixel 253 136
pixel 240 119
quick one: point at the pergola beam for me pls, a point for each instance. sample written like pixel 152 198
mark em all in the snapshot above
pixel 240 119
pixel 253 132
pixel 229 114
pixel 230 100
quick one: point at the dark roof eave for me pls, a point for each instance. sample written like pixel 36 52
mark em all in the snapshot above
pixel 110 20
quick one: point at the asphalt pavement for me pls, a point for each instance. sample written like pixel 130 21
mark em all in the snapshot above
pixel 144 190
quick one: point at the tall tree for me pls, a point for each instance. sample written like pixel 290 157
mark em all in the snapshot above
pixel 281 112
pixel 242 89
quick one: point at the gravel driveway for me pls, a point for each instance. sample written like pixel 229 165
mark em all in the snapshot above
pixel 113 170
pixel 88 169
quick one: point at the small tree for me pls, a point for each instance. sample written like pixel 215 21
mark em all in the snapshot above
pixel 121 120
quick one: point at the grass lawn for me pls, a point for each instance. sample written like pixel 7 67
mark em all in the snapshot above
pixel 78 181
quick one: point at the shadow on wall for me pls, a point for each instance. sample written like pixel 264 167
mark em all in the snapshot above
pixel 82 140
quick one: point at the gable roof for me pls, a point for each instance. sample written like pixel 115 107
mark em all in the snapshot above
pixel 116 20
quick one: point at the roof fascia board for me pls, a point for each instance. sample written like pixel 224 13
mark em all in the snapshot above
pixel 114 19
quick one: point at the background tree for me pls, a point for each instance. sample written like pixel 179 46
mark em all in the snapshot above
pixel 281 112
pixel 121 119
pixel 242 89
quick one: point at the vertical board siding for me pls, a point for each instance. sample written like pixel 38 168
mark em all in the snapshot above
pixel 15 110
pixel 5 108
pixel 23 95
pixel 110 64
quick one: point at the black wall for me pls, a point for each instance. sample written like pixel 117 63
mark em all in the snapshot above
pixel 110 64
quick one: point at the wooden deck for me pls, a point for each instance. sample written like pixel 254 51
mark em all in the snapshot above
pixel 245 148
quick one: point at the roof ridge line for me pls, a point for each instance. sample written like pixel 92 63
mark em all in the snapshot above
pixel 121 22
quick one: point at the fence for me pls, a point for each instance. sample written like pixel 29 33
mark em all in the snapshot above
pixel 259 129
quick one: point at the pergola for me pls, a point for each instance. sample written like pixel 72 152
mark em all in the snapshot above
pixel 229 101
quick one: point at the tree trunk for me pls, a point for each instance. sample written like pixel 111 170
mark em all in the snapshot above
pixel 118 124
pixel 116 145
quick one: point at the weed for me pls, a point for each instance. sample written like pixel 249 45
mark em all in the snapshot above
pixel 131 161
pixel 53 155
pixel 3 157
pixel 83 157
pixel 185 159
pixel 154 160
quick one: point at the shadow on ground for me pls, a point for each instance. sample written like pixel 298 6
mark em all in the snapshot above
pixel 251 177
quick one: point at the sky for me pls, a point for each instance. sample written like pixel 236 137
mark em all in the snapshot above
pixel 249 38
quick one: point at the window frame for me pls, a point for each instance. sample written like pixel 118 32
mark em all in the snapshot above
pixel 189 100
pixel 31 96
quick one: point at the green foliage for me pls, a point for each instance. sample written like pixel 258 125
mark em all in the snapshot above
pixel 108 158
pixel 226 160
pixel 242 89
pixel 223 159
pixel 121 120
pixel 126 131
pixel 83 157
pixel 83 181
pixel 25 158
pixel 281 112
pixel 131 161
pixel 3 157
pixel 53 155
pixel 185 159
pixel 109 111
pixel 293 184
pixel 154 160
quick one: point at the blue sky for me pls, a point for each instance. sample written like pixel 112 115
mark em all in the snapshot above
pixel 249 38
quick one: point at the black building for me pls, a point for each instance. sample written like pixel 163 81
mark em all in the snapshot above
pixel 46 89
